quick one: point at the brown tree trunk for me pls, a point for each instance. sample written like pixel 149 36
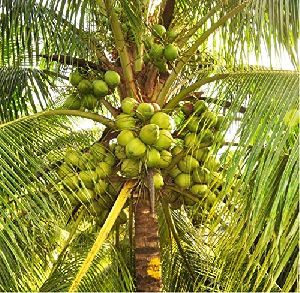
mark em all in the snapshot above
pixel 147 249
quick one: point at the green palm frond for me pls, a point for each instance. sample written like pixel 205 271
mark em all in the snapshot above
pixel 24 91
pixel 32 203
pixel 30 28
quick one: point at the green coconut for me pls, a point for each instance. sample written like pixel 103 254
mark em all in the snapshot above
pixel 209 119
pixel 125 121
pixel 171 52
pixel 212 164
pixel 130 168
pixel 199 189
pixel 158 180
pixel 72 157
pixel 164 141
pixel 125 136
pixel 149 134
pixel 89 101
pixel 187 164
pixel 110 159
pixel 183 180
pixel 176 150
pixel 112 78
pixel 205 138
pixel 174 171
pixel 87 162
pixel 100 88
pixel 172 34
pixel 152 158
pixel 71 181
pixel 201 175
pixel 98 151
pixel 156 52
pixel 88 178
pixel 85 87
pixel 159 30
pixel 144 111
pixel 191 140
pixel 85 195
pixel 135 148
pixel 163 120
pixel 165 159
pixel 128 106
pixel 75 78
pixel 72 102
pixel 96 209
pixel 201 154
pixel 101 187
pixel 120 152
pixel 194 124
pixel 103 170
pixel 63 170
pixel 200 107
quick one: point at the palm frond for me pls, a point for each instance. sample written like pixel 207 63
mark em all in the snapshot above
pixel 32 203
pixel 24 91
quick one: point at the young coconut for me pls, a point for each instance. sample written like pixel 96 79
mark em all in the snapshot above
pixel 164 141
pixel 152 158
pixel 135 148
pixel 199 189
pixel 174 171
pixel 159 30
pixel 101 187
pixel 200 107
pixel 194 124
pixel 75 78
pixel 64 170
pixel 85 195
pixel 149 134
pixel 158 180
pixel 72 157
pixel 88 178
pixel 85 87
pixel 89 101
pixel 201 175
pixel 128 106
pixel 165 159
pixel 72 102
pixel 100 88
pixel 120 152
pixel 187 164
pixel 209 119
pixel 112 78
pixel 191 140
pixel 144 111
pixel 98 151
pixel 130 168
pixel 71 181
pixel 156 52
pixel 103 170
pixel 183 180
pixel 163 120
pixel 125 136
pixel 125 121
pixel 171 52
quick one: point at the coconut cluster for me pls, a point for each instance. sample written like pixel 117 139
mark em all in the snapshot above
pixel 194 169
pixel 161 49
pixel 144 140
pixel 90 88
pixel 85 177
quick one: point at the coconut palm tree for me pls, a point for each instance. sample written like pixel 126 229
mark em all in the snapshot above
pixel 147 230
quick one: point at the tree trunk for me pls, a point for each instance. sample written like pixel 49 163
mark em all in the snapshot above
pixel 147 249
